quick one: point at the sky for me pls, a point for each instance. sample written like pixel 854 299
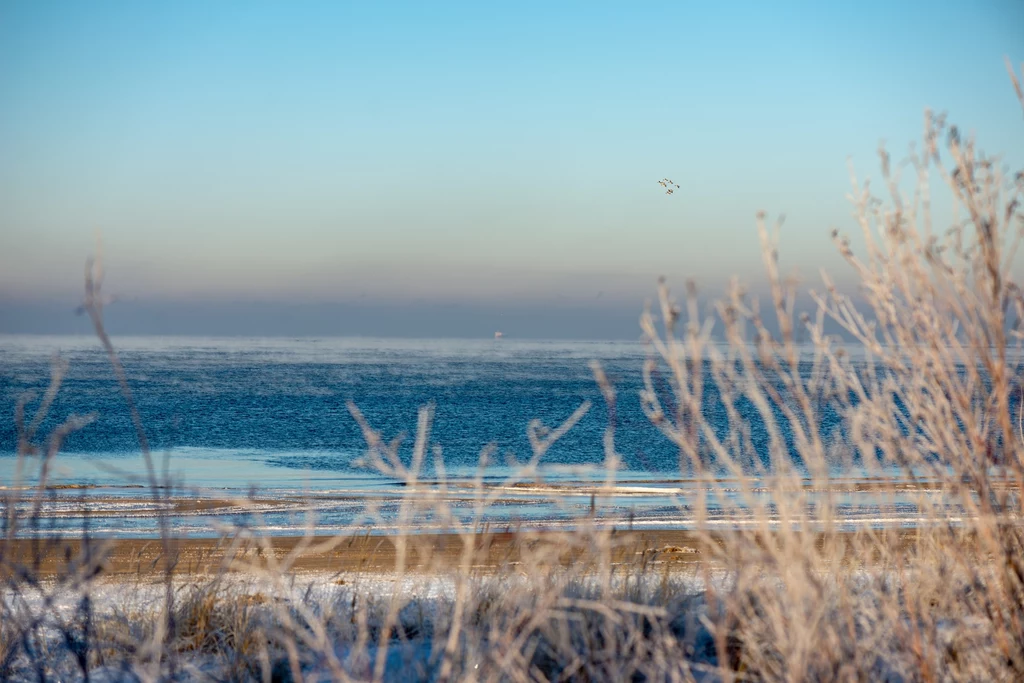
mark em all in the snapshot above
pixel 448 169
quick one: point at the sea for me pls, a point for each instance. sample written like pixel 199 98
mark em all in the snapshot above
pixel 259 434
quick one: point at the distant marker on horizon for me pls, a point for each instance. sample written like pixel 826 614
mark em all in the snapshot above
pixel 498 335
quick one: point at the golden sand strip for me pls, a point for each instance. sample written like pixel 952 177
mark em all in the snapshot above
pixel 425 553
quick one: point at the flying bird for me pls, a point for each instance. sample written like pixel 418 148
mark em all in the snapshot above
pixel 669 185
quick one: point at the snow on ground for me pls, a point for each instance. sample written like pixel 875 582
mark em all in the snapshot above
pixel 425 600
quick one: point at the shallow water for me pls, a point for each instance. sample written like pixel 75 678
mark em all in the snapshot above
pixel 225 417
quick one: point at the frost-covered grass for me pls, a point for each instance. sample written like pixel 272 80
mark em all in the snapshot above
pixel 642 625
pixel 793 596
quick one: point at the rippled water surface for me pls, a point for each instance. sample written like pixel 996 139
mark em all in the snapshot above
pixel 226 416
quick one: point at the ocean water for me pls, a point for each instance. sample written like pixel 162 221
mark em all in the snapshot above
pixel 283 402
pixel 229 417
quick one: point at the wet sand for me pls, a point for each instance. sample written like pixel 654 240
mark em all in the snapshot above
pixel 376 549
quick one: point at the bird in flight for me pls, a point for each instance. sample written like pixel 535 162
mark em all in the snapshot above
pixel 670 187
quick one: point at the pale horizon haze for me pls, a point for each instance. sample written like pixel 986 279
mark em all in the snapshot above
pixel 449 169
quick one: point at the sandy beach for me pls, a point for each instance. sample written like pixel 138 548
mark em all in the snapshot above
pixel 425 553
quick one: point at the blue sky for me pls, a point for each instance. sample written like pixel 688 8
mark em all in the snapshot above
pixel 459 154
